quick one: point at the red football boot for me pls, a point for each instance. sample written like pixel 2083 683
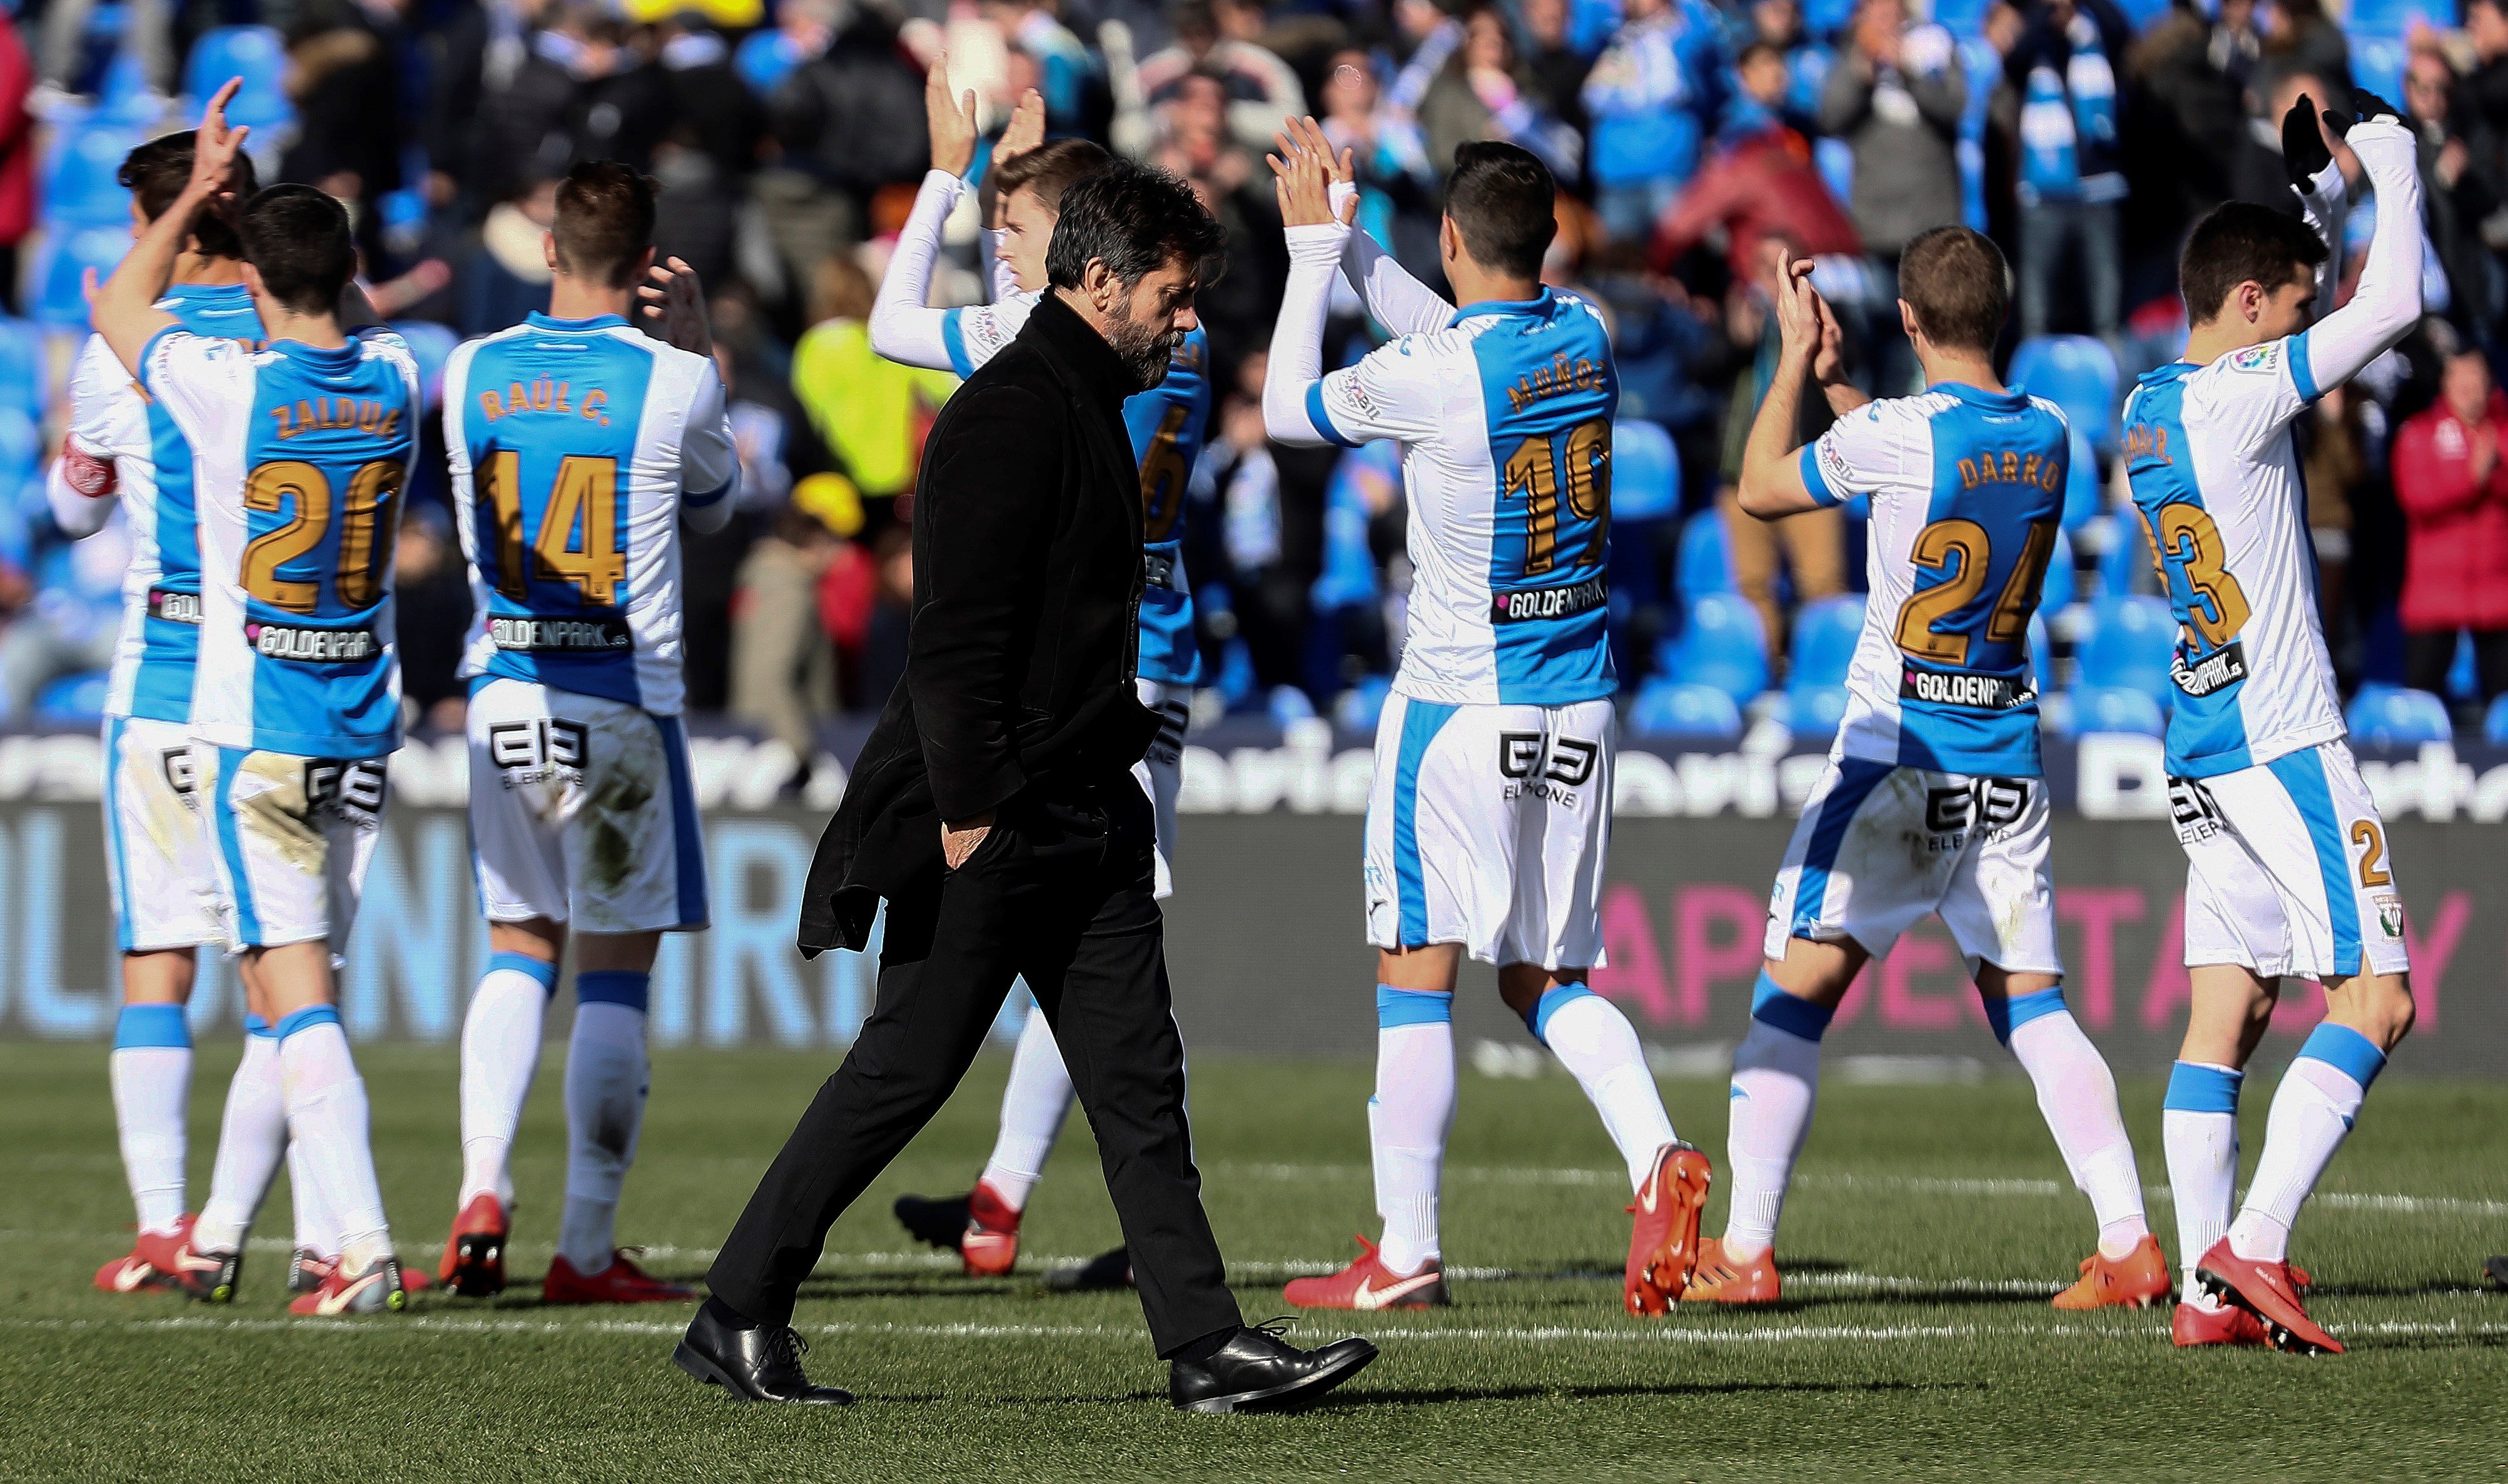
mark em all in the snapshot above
pixel 210 1277
pixel 991 1245
pixel 1718 1279
pixel 2136 1281
pixel 130 1274
pixel 2205 1320
pixel 474 1255
pixel 621 1283
pixel 1663 1243
pixel 376 1291
pixel 1366 1285
pixel 2270 1291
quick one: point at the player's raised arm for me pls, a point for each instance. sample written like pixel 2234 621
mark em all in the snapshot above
pixel 2387 303
pixel 1779 475
pixel 125 309
pixel 903 327
pixel 1293 378
pixel 2324 195
pixel 1399 300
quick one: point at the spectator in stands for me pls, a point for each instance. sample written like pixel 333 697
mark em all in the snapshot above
pixel 2453 490
pixel 2486 87
pixel 1398 190
pixel 343 76
pixel 16 157
pixel 1811 546
pixel 2336 466
pixel 432 605
pixel 1895 95
pixel 503 273
pixel 1654 96
pixel 847 122
pixel 783 666
pixel 2071 184
pixel 63 599
pixel 2300 37
pixel 2461 208
pixel 1768 93
pixel 871 411
pixel 1759 185
pixel 2184 119
pixel 1556 70
pixel 1068 75
pixel 1483 94
pixel 148 26
pixel 1262 91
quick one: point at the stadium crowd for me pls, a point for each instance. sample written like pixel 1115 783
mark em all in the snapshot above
pixel 1699 141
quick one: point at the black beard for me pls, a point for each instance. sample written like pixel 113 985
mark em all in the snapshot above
pixel 1144 352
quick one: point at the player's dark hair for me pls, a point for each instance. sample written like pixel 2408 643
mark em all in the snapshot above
pixel 2239 242
pixel 1505 206
pixel 605 222
pixel 1046 172
pixel 1135 219
pixel 155 175
pixel 298 239
pixel 1953 279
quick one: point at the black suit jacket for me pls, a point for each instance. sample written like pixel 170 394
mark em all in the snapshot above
pixel 1027 627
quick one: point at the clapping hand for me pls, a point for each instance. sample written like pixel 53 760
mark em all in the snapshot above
pixel 1026 128
pixel 1303 171
pixel 951 119
pixel 676 300
pixel 2305 152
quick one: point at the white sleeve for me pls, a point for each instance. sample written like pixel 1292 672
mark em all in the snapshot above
pixel 204 384
pixel 2387 303
pixel 2326 204
pixel 1392 392
pixel 903 327
pixel 1399 300
pixel 709 456
pixel 107 422
pixel 1867 452
pixel 457 435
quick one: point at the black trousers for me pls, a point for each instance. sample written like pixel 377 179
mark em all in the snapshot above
pixel 1059 892
pixel 2428 657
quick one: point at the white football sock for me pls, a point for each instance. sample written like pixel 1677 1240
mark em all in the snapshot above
pixel 2313 1112
pixel 1776 1083
pixel 317 1231
pixel 326 1114
pixel 252 1139
pixel 1034 1104
pixel 1407 1119
pixel 151 1071
pixel 501 1050
pixel 1597 1045
pixel 2077 1095
pixel 2199 1128
pixel 606 1078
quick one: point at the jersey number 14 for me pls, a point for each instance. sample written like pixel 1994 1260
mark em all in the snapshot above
pixel 585 497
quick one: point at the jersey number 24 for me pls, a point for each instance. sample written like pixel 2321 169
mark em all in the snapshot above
pixel 1959 550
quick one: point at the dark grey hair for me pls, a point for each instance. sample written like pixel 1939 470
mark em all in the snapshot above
pixel 1135 219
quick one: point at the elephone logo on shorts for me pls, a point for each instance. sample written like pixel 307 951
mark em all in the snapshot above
pixel 175 762
pixel 1997 803
pixel 1555 775
pixel 2192 809
pixel 542 749
pixel 353 790
pixel 313 647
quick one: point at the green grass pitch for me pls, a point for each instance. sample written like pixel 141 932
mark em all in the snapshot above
pixel 1929 1227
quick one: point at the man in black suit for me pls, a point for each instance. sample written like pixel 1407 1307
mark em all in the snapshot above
pixel 994 810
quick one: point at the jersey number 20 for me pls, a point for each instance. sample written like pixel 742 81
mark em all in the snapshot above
pixel 1958 549
pixel 369 521
pixel 1540 472
pixel 585 495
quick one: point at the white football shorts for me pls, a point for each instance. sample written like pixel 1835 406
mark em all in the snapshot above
pixel 1161 772
pixel 582 811
pixel 2287 870
pixel 1879 846
pixel 155 845
pixel 1490 826
pixel 291 837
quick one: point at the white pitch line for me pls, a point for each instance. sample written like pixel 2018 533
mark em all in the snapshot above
pixel 433 1326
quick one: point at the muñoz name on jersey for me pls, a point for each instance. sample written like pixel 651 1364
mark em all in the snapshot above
pixel 2216 476
pixel 574 444
pixel 159 646
pixel 299 456
pixel 1504 419
pixel 1968 491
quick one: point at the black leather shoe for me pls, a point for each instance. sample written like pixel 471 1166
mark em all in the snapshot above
pixel 761 1364
pixel 1258 1371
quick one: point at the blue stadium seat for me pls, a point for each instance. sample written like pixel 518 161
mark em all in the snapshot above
pixel 1815 711
pixel 2075 372
pixel 2061 577
pixel 2377 66
pixel 2391 716
pixel 1824 18
pixel 2142 13
pixel 253 52
pixel 21 364
pixel 21 445
pixel 2128 557
pixel 1287 704
pixel 2082 496
pixel 1645 471
pixel 764 58
pixel 61 292
pixel 1836 161
pixel 2494 725
pixel 2392 20
pixel 1723 645
pixel 124 97
pixel 1823 639
pixel 2129 646
pixel 2108 707
pixel 1671 709
pixel 73 700
pixel 2463 681
pixel 1705 564
pixel 1961 18
pixel 1357 708
pixel 2042 654
pixel 430 344
pixel 79 187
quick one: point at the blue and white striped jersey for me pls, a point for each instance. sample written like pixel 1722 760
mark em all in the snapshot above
pixel 1504 419
pixel 1968 491
pixel 110 422
pixel 299 456
pixel 574 446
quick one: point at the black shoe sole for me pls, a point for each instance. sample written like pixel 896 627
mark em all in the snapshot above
pixel 478 1267
pixel 1303 1392
pixel 2277 1334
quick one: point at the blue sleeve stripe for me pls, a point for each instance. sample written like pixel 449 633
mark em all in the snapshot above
pixel 1814 481
pixel 709 496
pixel 2302 375
pixel 1322 420
pixel 148 353
pixel 954 341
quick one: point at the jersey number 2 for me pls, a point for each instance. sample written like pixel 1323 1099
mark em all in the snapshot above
pixel 369 521
pixel 585 495
pixel 1535 471
pixel 1958 550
